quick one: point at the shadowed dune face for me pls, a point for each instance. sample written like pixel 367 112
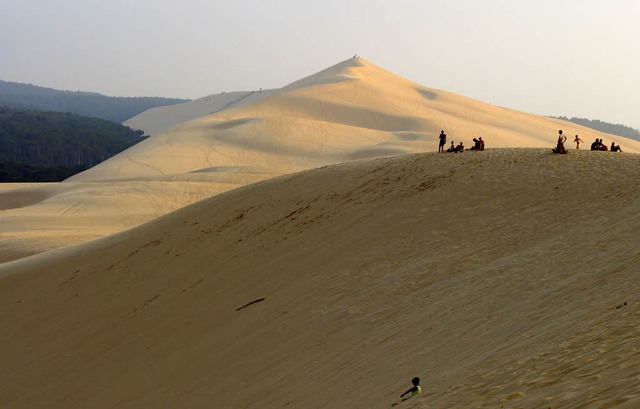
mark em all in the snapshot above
pixel 494 277
pixel 22 198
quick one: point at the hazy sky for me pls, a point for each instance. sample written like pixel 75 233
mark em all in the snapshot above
pixel 551 57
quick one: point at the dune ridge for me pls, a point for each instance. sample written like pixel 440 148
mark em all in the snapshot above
pixel 494 277
pixel 353 110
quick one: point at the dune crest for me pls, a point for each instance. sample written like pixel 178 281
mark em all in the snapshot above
pixel 351 111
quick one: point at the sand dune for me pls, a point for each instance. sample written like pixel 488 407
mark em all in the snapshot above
pixel 159 119
pixel 493 276
pixel 351 111
pixel 329 117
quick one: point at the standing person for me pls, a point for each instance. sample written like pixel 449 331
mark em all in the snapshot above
pixel 561 140
pixel 443 140
pixel 577 140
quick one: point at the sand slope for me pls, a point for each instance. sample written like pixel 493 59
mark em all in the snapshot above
pixel 353 110
pixel 494 276
pixel 156 120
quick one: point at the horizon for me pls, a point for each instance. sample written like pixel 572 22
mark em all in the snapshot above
pixel 570 59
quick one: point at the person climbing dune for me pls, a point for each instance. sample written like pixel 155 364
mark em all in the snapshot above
pixel 414 390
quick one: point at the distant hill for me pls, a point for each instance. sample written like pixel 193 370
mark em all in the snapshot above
pixel 117 109
pixel 51 146
pixel 614 129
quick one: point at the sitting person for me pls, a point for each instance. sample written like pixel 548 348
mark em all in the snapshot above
pixel 594 145
pixel 615 148
pixel 476 145
pixel 481 144
pixel 602 146
pixel 452 148
pixel 460 147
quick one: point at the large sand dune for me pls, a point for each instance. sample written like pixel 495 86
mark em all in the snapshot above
pixel 156 120
pixel 353 110
pixel 493 276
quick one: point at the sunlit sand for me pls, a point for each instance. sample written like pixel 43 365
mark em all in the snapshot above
pixel 266 257
pixel 353 110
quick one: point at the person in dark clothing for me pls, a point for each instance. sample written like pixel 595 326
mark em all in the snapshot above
pixel 443 140
pixel 476 145
pixel 415 390
pixel 560 146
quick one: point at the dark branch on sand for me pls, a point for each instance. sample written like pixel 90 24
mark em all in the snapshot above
pixel 252 302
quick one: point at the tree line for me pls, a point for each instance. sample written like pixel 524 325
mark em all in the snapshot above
pixel 51 146
pixel 117 109
pixel 614 129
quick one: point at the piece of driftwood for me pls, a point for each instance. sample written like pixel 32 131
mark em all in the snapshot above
pixel 249 303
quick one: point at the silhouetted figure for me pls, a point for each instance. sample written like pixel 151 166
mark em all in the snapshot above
pixel 460 147
pixel 414 390
pixel 452 148
pixel 602 146
pixel 577 141
pixel 598 146
pixel 615 148
pixel 481 143
pixel 476 145
pixel 443 140
pixel 560 145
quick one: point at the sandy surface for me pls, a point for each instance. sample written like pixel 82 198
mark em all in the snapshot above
pixel 159 119
pixel 353 110
pixel 493 276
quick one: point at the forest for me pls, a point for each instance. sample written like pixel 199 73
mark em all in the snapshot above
pixel 614 129
pixel 117 109
pixel 51 146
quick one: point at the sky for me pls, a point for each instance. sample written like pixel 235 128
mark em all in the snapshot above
pixel 562 57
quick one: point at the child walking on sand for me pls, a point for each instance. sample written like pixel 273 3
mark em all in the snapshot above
pixel 577 140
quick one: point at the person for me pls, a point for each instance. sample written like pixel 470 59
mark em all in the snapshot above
pixel 601 146
pixel 594 145
pixel 481 144
pixel 476 145
pixel 460 147
pixel 443 140
pixel 615 148
pixel 577 140
pixel 560 146
pixel 414 390
pixel 452 148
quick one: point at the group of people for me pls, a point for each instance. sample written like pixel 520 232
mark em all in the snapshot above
pixel 597 145
pixel 478 145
